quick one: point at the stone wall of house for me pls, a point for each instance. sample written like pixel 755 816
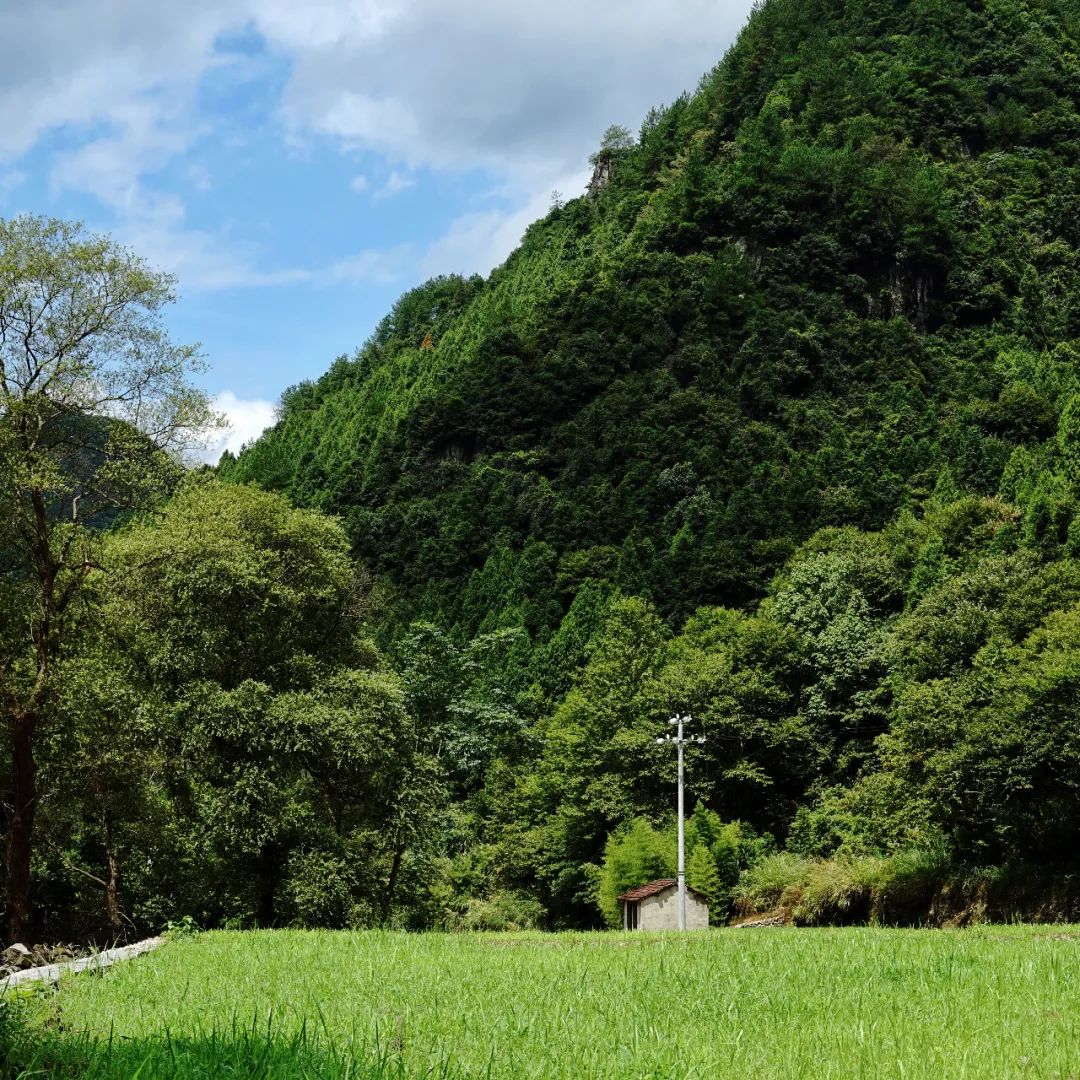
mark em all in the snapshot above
pixel 661 912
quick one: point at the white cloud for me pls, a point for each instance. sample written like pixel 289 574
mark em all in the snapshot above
pixel 10 179
pixel 247 419
pixel 141 142
pixel 367 267
pixel 475 242
pixel 67 63
pixel 523 90
pixel 199 177
pixel 123 76
pixel 397 182
pixel 394 184
pixel 155 227
pixel 319 24
pixel 510 86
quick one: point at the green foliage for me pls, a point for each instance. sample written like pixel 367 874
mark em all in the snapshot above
pixel 616 141
pixel 226 745
pixel 94 407
pixel 900 889
pixel 320 889
pixel 717 853
pixel 231 583
pixel 458 697
pixel 503 912
pixel 775 427
pixel 635 855
pixel 779 426
pixel 790 308
pixel 812 891
pixel 183 927
pixel 702 875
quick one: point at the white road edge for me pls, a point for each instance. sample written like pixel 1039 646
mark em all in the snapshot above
pixel 52 972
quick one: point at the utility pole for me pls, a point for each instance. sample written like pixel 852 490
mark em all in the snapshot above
pixel 680 739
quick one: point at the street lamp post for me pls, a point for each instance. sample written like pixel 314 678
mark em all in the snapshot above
pixel 680 739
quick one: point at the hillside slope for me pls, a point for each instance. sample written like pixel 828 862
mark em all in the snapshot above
pixel 780 427
pixel 834 274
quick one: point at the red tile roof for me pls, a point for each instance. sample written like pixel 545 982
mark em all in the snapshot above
pixel 642 892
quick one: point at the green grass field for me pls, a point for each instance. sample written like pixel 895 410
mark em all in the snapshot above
pixel 991 1002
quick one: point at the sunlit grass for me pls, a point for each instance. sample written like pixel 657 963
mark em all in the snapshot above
pixel 992 1002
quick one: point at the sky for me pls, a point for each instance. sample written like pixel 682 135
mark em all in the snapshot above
pixel 298 164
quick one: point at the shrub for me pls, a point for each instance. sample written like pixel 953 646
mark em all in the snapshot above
pixel 502 911
pixel 839 891
pixel 319 890
pixel 912 879
pixel 811 891
pixel 765 886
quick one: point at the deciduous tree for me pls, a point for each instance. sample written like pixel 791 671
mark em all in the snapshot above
pixel 95 406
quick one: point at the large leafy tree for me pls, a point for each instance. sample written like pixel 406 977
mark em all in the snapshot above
pixel 95 407
pixel 282 743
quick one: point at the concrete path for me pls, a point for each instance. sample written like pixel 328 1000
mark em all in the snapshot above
pixel 52 972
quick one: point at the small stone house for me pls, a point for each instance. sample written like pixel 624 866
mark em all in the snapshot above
pixel 656 907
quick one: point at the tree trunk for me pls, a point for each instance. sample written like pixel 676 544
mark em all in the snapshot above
pixel 391 885
pixel 20 835
pixel 112 885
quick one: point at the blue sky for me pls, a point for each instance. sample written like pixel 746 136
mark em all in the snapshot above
pixel 297 164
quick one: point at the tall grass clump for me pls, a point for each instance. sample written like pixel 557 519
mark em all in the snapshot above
pixel 811 892
pixel 845 890
pixel 911 883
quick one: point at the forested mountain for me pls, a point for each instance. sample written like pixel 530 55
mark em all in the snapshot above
pixel 837 277
pixel 811 354
pixel 779 424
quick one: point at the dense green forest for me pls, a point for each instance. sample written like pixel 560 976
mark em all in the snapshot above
pixel 779 425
